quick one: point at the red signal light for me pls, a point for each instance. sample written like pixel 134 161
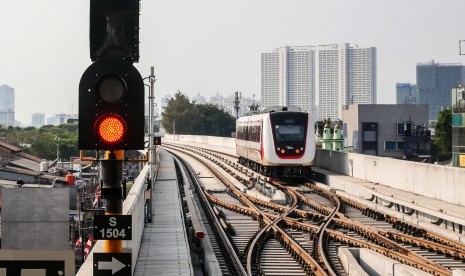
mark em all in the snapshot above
pixel 111 129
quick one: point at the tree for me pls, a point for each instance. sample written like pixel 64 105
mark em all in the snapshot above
pixel 177 116
pixel 443 136
pixel 45 141
pixel 196 119
pixel 215 121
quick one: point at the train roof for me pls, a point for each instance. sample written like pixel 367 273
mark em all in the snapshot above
pixel 281 108
pixel 267 114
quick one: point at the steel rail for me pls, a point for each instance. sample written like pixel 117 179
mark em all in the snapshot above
pixel 438 243
pixel 405 259
pixel 207 208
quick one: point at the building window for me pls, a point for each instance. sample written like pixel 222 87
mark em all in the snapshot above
pixel 394 145
pixel 390 145
pixel 404 129
pixel 369 145
pixel 369 126
pixel 400 129
pixel 400 145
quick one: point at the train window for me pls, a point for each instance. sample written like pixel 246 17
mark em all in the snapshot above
pixel 255 134
pixel 288 133
pixel 244 133
pixel 241 133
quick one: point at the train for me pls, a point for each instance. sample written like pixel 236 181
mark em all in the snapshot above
pixel 278 143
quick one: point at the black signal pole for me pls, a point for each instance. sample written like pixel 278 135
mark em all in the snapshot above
pixel 111 174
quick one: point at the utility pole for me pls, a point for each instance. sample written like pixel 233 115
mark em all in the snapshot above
pixel 237 101
pixel 152 153
pixel 58 146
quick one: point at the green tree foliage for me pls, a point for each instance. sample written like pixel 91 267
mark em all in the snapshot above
pixel 177 116
pixel 443 136
pixel 45 141
pixel 214 121
pixel 196 119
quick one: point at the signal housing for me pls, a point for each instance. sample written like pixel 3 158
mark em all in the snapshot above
pixel 111 87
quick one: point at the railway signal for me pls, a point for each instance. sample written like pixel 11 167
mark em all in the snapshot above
pixel 111 90
pixel 114 29
pixel 111 113
pixel 111 106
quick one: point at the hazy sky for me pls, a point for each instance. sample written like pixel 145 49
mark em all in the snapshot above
pixel 210 46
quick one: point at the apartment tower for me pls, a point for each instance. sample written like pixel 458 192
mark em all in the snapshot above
pixel 288 77
pixel 7 106
pixel 347 75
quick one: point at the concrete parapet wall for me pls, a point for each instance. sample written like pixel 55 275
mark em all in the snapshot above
pixel 132 205
pixel 443 183
pixel 350 263
pixel 224 142
pixel 362 261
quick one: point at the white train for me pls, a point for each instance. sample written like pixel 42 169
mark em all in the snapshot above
pixel 278 144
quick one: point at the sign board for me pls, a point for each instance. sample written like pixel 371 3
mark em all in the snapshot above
pixel 462 160
pixel 23 224
pixel 112 227
pixel 112 264
pixel 157 140
pixel 37 262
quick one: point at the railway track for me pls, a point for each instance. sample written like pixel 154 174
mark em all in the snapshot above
pixel 304 235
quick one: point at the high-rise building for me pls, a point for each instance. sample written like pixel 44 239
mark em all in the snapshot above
pixel 7 106
pixel 38 120
pixel 347 75
pixel 288 77
pixel 406 93
pixel 435 82
pixel 59 119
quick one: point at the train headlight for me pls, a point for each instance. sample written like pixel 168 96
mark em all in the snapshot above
pixel 297 151
pixel 283 151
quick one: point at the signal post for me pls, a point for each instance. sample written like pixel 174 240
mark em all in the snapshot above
pixel 111 171
pixel 111 119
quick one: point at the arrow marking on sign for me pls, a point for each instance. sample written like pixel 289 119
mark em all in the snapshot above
pixel 115 265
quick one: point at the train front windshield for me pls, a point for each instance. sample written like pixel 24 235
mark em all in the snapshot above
pixel 289 133
pixel 289 127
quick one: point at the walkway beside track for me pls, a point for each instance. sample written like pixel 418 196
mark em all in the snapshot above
pixel 164 248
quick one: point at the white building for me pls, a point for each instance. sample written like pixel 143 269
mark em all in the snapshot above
pixel 59 119
pixel 288 77
pixel 347 75
pixel 38 120
pixel 7 106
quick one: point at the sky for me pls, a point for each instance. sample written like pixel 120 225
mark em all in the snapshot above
pixel 214 46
